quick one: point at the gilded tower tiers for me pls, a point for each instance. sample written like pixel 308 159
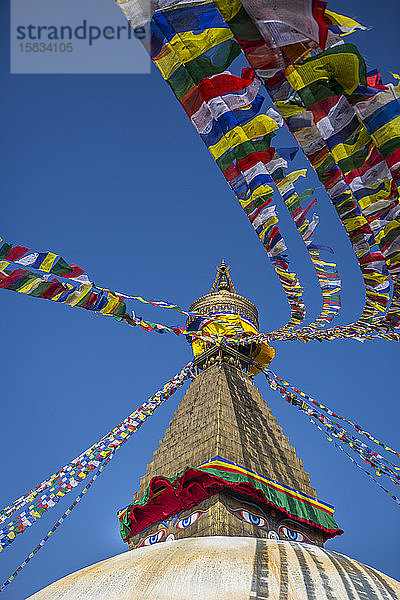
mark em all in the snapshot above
pixel 223 297
pixel 224 466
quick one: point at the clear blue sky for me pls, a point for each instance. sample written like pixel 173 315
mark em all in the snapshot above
pixel 107 171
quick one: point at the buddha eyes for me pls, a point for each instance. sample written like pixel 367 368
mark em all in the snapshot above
pixel 189 520
pixel 293 536
pixel 153 539
pixel 159 535
pixel 252 518
pixel 249 517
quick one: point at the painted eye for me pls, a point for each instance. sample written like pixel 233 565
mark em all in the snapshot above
pixel 292 535
pixel 153 539
pixel 253 519
pixel 189 520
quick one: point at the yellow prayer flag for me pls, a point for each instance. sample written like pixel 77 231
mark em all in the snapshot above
pixel 167 61
pixel 393 225
pixel 379 195
pixel 186 46
pixel 288 110
pixel 344 67
pixel 189 44
pixel 257 127
pixel 341 151
pixel 75 297
pixel 113 301
pixel 271 221
pixel 48 262
pixel 354 223
pixel 346 24
pixel 30 286
pixel 397 87
pixel 387 132
pixel 291 178
pixel 228 8
pixel 262 190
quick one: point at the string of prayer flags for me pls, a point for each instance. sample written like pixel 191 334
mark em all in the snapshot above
pixel 84 295
pixel 56 525
pixel 328 277
pixel 62 482
pixel 323 134
pixel 149 327
pixel 326 272
pixel 339 447
pixel 358 428
pixel 158 304
pixel 235 134
pixel 393 497
pixel 313 148
pixel 357 331
pixel 344 118
pixel 369 456
pixel 222 130
pixel 332 430
pixel 51 263
pixel 354 143
pixel 47 262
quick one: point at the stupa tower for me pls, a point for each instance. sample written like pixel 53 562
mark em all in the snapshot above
pixel 224 425
pixel 225 510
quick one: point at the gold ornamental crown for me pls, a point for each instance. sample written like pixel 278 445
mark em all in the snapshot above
pixel 223 298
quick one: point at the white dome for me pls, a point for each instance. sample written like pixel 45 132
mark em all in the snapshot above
pixel 225 568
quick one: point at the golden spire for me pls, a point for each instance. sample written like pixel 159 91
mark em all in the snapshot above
pixel 223 281
pixel 223 298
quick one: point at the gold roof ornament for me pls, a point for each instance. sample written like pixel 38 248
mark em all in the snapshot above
pixel 223 280
pixel 223 298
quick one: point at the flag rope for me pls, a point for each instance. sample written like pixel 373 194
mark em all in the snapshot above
pixel 357 427
pixel 62 482
pixel 56 525
pixel 333 430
